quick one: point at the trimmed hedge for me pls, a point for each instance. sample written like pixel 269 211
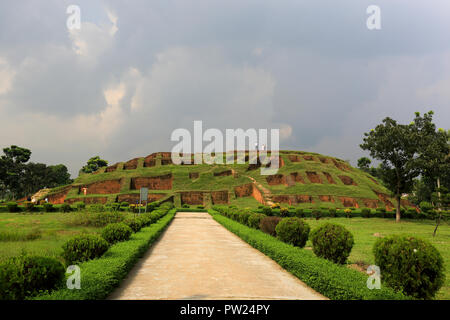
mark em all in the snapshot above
pixel 101 276
pixel 83 247
pixel 334 281
pixel 116 232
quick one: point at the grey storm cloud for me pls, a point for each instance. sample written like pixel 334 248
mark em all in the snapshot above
pixel 137 70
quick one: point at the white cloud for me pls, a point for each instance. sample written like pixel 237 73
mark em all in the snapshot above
pixel 6 76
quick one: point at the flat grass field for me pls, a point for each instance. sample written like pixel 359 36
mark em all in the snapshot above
pixel 363 230
pixel 40 234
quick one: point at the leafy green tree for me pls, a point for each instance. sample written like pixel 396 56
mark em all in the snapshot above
pixel 12 169
pixel 364 164
pixel 94 164
pixel 395 145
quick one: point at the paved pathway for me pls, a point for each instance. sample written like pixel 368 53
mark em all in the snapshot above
pixel 197 258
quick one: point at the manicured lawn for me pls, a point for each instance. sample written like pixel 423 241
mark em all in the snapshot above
pixel 51 229
pixel 363 230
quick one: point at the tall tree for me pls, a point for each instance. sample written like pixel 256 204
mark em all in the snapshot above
pixel 364 164
pixel 94 164
pixel 395 145
pixel 13 168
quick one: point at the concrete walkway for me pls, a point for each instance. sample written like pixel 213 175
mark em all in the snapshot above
pixel 197 258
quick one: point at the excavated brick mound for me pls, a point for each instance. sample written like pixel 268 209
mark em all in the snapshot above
pixel 308 158
pixel 58 197
pixel 294 158
pixel 245 190
pixel 292 199
pixel 219 197
pixel 340 165
pixel 385 199
pixel 87 200
pixel 223 173
pixel 163 182
pixel 194 175
pixel 112 168
pixel 349 202
pixel 131 165
pixel 329 177
pixel 313 177
pixel 192 197
pixel 370 203
pixel 347 181
pixel 134 197
pixel 149 162
pixel 102 187
pixel 373 180
pixel 276 179
pixel 296 177
pixel 166 161
pixel 325 198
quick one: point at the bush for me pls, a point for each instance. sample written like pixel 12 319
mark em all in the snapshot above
pixel 12 207
pixel 28 206
pixel 25 276
pixel 410 213
pixel 185 205
pixel 332 212
pixel 124 204
pixel 80 205
pixel 268 225
pixel 293 231
pixel 65 207
pixel 284 212
pixel 48 207
pixel 316 213
pixel 243 217
pixel 135 223
pixel 332 242
pixel 410 265
pixel 365 212
pixel 200 207
pixel 299 213
pixel 116 232
pixel 348 213
pixel 115 206
pixel 98 207
pixel 425 206
pixel 84 247
pixel 267 211
pixel 255 219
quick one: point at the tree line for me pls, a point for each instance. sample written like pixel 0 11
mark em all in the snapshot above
pixel 20 178
pixel 414 159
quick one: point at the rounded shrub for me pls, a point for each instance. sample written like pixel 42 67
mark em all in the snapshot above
pixel 332 242
pixel 255 219
pixel 284 212
pixel 332 212
pixel 348 213
pixel 317 214
pixel 425 206
pixel 26 276
pixel 12 207
pixel 268 225
pixel 293 231
pixel 243 217
pixel 116 232
pixel 80 205
pixel 28 206
pixel 185 205
pixel 299 213
pixel 65 207
pixel 365 212
pixel 267 211
pixel 411 265
pixel 84 247
pixel 135 223
pixel 48 207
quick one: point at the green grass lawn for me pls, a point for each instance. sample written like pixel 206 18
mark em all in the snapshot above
pixel 363 230
pixel 52 230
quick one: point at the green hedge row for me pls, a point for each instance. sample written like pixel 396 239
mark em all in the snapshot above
pixel 101 276
pixel 191 210
pixel 333 281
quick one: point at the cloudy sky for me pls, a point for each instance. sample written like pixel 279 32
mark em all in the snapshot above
pixel 137 70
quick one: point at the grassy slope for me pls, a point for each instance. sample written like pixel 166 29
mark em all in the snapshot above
pixel 207 181
pixel 363 230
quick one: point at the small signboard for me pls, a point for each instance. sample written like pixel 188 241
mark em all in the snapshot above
pixel 144 195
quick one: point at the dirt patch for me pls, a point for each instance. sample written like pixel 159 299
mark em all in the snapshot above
pixel 340 165
pixel 112 168
pixel 193 175
pixel 326 198
pixel 245 190
pixel 276 179
pixel 347 181
pixel 313 177
pixel 329 177
pixel 349 202
pixel 87 200
pixel 378 235
pixel 296 177
pixel 134 197
pixel 131 165
pixel 166 161
pixel 101 187
pixel 359 266
pixel 370 203
pixel 256 193
pixel 219 197
pixel 149 163
pixel 385 199
pixel 192 198
pixel 58 198
pixel 308 158
pixel 294 158
pixel 223 173
pixel 292 199
pixel 163 182
pixel 324 160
